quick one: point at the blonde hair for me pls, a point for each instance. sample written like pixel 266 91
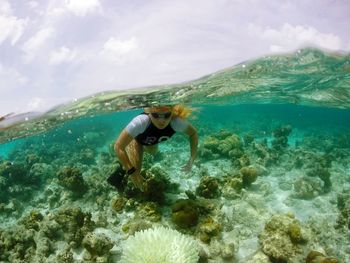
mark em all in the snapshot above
pixel 182 111
pixel 178 110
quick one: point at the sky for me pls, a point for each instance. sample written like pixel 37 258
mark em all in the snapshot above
pixel 55 51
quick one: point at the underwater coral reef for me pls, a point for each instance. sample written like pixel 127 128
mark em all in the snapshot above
pixel 281 195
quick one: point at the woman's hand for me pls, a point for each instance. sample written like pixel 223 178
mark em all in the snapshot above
pixel 138 181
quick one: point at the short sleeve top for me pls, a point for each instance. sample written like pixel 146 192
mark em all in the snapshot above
pixel 142 129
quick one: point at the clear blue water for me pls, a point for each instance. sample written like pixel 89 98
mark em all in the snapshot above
pixel 258 119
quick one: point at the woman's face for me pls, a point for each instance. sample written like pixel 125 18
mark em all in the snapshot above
pixel 160 116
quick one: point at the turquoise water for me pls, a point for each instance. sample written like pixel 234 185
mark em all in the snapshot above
pixel 304 172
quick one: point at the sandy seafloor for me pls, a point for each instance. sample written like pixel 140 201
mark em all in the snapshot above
pixel 37 225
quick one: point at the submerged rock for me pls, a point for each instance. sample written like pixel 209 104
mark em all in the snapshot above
pixel 32 220
pixel 318 257
pixel 208 229
pixel 65 256
pixel 118 204
pixel 282 131
pixel 228 251
pixel 72 179
pixel 249 175
pixel 280 141
pixel 343 204
pixel 307 187
pixel 75 224
pixel 135 225
pixel 16 181
pixel 208 187
pixel 222 144
pixel 282 238
pixel 323 174
pixel 150 211
pixel 185 213
pixel 97 244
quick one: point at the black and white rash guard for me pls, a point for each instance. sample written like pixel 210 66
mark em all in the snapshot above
pixel 144 131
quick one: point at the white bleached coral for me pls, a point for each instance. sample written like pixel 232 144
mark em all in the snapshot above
pixel 160 245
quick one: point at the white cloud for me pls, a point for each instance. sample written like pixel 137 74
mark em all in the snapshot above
pixel 120 47
pixel 11 27
pixel 37 42
pixel 10 79
pixel 33 4
pixel 5 7
pixel 39 103
pixel 61 55
pixel 102 44
pixel 290 37
pixel 22 104
pixel 82 7
pixel 120 51
pixel 35 104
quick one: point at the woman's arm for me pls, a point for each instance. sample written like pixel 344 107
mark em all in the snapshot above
pixel 193 138
pixel 120 145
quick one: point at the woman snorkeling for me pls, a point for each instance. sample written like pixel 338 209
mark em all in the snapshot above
pixel 145 131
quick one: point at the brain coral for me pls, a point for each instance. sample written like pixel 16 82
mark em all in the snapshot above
pixel 159 245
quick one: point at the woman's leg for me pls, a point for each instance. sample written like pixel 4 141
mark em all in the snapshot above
pixel 135 154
